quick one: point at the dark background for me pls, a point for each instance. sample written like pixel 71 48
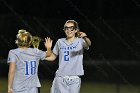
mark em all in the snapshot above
pixel 112 25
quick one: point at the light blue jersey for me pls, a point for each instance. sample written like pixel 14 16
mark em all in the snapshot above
pixel 70 57
pixel 27 61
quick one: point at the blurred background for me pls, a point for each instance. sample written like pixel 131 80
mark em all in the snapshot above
pixel 111 64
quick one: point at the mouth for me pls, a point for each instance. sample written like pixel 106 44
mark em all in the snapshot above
pixel 69 33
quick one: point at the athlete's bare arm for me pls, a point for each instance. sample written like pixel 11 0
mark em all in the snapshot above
pixel 48 45
pixel 11 73
pixel 51 58
pixel 87 40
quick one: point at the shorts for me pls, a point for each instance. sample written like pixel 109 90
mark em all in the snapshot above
pixel 27 90
pixel 66 84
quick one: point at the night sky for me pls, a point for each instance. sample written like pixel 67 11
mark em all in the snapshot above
pixel 112 25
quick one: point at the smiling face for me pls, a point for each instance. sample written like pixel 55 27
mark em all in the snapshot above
pixel 70 30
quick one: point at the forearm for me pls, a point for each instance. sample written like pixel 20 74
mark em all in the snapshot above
pixel 12 67
pixel 87 41
pixel 52 57
pixel 48 52
pixel 10 79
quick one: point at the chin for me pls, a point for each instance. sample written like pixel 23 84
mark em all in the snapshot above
pixel 69 36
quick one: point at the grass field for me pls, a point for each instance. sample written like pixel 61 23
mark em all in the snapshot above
pixel 89 87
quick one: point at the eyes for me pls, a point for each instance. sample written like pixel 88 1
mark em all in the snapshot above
pixel 71 28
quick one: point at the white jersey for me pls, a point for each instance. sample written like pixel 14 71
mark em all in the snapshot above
pixel 27 61
pixel 70 57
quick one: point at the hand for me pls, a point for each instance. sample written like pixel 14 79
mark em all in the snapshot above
pixel 10 90
pixel 82 34
pixel 48 43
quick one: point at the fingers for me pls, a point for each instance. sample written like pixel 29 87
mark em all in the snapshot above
pixel 48 39
pixel 82 34
pixel 48 42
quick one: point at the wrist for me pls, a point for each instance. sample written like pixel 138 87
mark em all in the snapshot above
pixel 48 49
pixel 9 88
pixel 84 37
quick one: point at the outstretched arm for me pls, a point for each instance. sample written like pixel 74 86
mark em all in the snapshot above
pixel 50 56
pixel 48 45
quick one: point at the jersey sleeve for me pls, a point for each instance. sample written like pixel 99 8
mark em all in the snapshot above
pixel 11 57
pixel 56 48
pixel 42 54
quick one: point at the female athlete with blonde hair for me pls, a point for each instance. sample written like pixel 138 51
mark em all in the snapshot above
pixel 23 64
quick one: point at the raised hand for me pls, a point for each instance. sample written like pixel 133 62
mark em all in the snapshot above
pixel 82 34
pixel 48 43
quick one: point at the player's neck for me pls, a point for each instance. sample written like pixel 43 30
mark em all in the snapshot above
pixel 23 47
pixel 71 39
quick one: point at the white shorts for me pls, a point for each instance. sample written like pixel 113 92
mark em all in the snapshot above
pixel 66 84
pixel 27 90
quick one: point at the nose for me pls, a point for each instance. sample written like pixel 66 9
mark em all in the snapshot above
pixel 70 29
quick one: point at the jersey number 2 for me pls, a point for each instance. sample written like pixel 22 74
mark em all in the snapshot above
pixel 30 67
pixel 66 56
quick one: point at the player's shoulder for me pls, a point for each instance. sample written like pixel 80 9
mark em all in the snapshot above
pixel 61 39
pixel 13 50
pixel 80 39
